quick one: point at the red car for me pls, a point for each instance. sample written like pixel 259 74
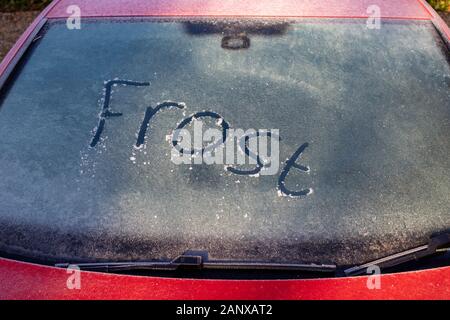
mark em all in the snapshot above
pixel 100 200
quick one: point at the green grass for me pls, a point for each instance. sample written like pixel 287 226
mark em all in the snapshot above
pixel 442 5
pixel 22 5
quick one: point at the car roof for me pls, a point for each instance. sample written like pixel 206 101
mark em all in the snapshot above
pixel 400 9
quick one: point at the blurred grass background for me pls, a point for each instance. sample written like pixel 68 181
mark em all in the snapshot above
pixel 22 5
pixel 442 5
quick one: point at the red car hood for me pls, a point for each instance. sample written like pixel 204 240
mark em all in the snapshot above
pixel 21 280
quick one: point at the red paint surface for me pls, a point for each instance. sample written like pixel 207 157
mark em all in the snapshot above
pixel 29 281
pixel 272 8
pixel 20 280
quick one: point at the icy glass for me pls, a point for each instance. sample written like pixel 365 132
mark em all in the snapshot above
pixel 373 106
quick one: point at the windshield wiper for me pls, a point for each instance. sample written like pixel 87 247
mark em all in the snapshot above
pixel 198 262
pixel 435 245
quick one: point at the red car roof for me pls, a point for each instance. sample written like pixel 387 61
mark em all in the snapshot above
pixel 400 9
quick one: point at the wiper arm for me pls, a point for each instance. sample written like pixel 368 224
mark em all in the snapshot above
pixel 433 247
pixel 198 262
pixel 181 261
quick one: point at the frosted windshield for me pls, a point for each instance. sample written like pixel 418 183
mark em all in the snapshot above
pixel 372 107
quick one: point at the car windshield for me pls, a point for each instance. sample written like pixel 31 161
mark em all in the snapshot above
pixel 87 139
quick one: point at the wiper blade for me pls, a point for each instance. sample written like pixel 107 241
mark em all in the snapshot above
pixel 198 262
pixel 182 261
pixel 434 246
